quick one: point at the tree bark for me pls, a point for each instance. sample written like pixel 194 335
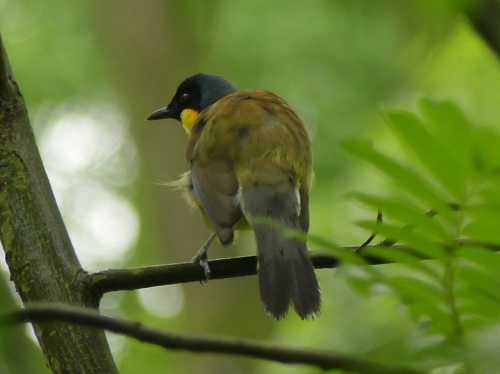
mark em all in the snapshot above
pixel 39 253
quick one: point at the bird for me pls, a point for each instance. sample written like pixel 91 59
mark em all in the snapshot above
pixel 250 163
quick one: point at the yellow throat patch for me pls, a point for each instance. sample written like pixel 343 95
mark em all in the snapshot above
pixel 188 116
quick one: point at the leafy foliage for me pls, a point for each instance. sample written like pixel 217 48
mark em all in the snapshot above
pixel 453 174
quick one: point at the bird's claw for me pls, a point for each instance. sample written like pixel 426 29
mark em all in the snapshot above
pixel 202 260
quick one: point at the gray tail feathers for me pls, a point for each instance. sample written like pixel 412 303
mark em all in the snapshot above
pixel 286 273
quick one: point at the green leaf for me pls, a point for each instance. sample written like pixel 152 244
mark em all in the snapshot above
pixel 483 230
pixel 406 178
pixel 477 280
pixel 405 213
pixel 442 324
pixel 344 255
pixel 490 193
pixel 322 242
pixel 489 260
pixel 488 211
pixel 362 279
pixel 486 151
pixel 453 131
pixel 428 248
pixel 428 150
pixel 422 297
pixel 405 258
pixel 415 289
pixel 480 307
pixel 484 223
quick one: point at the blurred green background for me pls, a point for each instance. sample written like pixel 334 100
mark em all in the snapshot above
pixel 91 71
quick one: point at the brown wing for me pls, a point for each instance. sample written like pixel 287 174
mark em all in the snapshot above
pixel 215 185
pixel 304 210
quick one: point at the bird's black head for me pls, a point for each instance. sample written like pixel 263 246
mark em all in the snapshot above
pixel 193 95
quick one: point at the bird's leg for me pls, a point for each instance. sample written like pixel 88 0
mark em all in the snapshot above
pixel 201 256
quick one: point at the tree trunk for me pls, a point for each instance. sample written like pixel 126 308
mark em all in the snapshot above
pixel 39 253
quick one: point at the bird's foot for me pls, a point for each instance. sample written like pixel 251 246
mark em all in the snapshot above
pixel 202 259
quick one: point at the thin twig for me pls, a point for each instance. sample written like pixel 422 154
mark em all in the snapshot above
pixel 200 344
pixel 380 219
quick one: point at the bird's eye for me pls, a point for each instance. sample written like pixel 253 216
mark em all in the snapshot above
pixel 184 98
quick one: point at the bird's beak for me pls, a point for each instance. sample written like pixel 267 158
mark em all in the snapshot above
pixel 161 113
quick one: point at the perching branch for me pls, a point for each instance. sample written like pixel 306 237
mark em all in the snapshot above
pixel 199 344
pixel 161 275
pixel 151 276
